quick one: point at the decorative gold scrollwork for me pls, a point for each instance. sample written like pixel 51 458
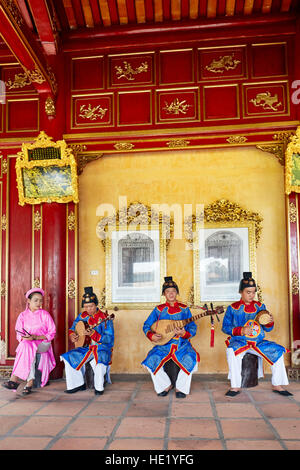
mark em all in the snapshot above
pixel 71 289
pixel 92 113
pixel 176 107
pixel 295 284
pixel 266 101
pixel 292 212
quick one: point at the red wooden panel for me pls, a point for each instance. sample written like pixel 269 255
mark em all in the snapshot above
pixel 269 60
pixel 265 99
pixel 140 113
pixel 177 105
pixel 92 110
pixel 225 94
pixel 19 232
pixel 22 115
pixel 87 73
pixel 176 67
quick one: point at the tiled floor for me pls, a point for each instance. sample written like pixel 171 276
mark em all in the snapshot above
pixel 130 416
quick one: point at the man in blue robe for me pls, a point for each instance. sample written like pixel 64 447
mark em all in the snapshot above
pixel 178 349
pixel 97 349
pixel 247 335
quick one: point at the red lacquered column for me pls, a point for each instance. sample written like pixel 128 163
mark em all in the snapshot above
pixel 54 274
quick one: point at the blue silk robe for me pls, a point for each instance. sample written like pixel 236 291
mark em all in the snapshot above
pixel 102 341
pixel 238 315
pixel 179 349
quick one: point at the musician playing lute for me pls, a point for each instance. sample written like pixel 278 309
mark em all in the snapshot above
pixel 97 349
pixel 178 349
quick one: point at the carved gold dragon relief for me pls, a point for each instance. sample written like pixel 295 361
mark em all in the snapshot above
pixel 224 63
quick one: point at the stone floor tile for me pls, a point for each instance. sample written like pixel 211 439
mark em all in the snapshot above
pixel 219 396
pixel 20 407
pixel 248 444
pixel 66 408
pixel 159 409
pixel 287 428
pixel 91 427
pixel 246 428
pixel 79 443
pixel 24 443
pixel 237 410
pixel 292 445
pixel 7 423
pixel 278 410
pixel 141 427
pixel 149 395
pixel 136 444
pixel 108 409
pixel 42 426
pixel 195 444
pixel 198 396
pixel 191 410
pixel 115 395
pixel 192 428
pixel 268 396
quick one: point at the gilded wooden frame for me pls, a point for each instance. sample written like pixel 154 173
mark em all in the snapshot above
pixel 223 214
pixel 109 253
pixel 134 218
pixel 44 170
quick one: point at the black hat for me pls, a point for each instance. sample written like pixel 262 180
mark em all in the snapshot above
pixel 247 281
pixel 169 283
pixel 89 296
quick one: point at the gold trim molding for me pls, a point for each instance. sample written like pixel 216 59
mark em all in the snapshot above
pixel 292 160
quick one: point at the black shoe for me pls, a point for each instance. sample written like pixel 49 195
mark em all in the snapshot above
pixel 10 385
pixel 284 393
pixel 180 395
pixel 231 393
pixel 99 392
pixel 76 389
pixel 163 394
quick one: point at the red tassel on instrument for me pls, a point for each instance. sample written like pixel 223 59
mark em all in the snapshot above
pixel 212 336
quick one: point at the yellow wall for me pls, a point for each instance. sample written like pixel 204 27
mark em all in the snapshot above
pixel 245 175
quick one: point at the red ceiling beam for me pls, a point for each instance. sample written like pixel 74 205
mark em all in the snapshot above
pixel 25 48
pixel 44 25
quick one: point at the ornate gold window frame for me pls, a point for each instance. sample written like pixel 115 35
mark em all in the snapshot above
pixel 135 222
pixel 47 172
pixel 223 214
